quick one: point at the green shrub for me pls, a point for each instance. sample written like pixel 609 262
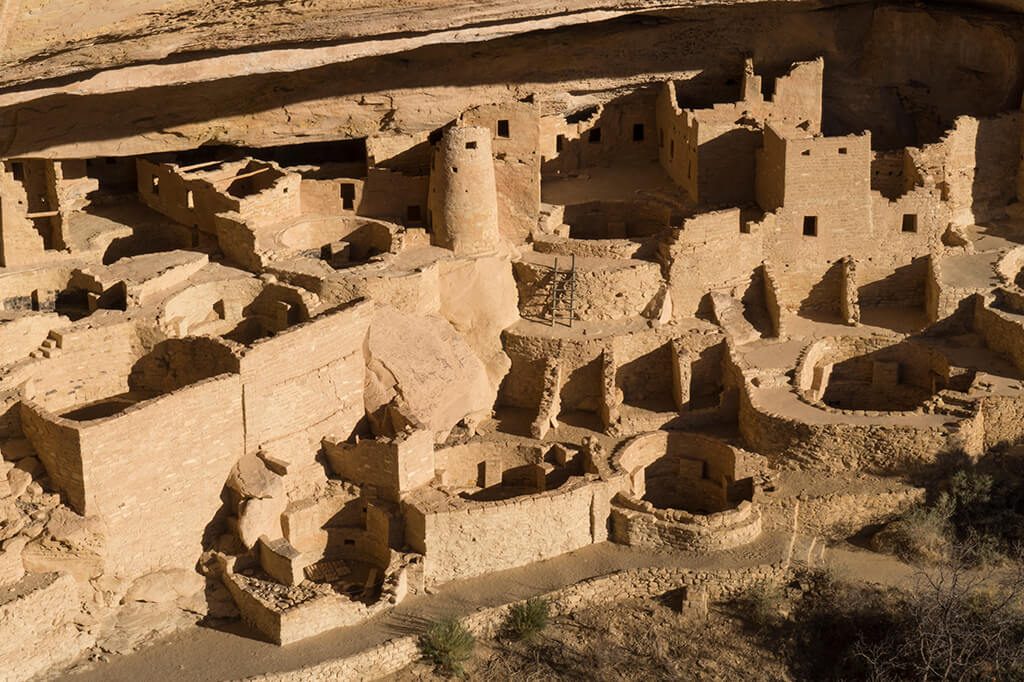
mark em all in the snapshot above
pixel 527 618
pixel 448 644
pixel 921 534
pixel 760 605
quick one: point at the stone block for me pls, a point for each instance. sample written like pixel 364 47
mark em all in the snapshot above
pixel 281 561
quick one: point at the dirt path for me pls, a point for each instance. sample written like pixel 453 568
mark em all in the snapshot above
pixel 203 654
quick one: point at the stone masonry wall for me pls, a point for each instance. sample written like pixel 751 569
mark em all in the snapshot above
pixel 304 384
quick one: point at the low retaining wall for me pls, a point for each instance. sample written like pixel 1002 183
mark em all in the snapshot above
pixel 393 655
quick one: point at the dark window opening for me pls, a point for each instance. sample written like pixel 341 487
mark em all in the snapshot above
pixel 806 152
pixel 661 137
pixel 18 169
pixel 503 128
pixel 595 135
pixel 110 160
pixel 349 542
pixel 910 222
pixel 348 196
pixel 413 214
pixel 559 143
pixel 842 150
pixel 811 226
pixel 471 145
pixel 671 149
pixel 638 132
pixel 455 169
pixel 435 136
pixel 744 228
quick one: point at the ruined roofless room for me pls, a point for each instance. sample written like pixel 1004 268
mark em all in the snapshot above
pixel 643 341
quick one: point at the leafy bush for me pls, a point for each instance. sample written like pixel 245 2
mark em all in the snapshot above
pixel 527 618
pixel 760 605
pixel 922 534
pixel 448 644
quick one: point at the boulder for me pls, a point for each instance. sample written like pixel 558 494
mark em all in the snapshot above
pixel 167 585
pixel 11 567
pixel 252 479
pixel 261 516
pixel 420 364
pixel 74 530
pixel 19 480
pixel 480 299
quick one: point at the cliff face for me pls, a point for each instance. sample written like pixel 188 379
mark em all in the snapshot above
pixel 52 38
pixel 152 77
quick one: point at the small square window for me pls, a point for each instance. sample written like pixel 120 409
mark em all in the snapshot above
pixel 595 135
pixel 811 226
pixel 455 169
pixel 503 128
pixel 413 214
pixel 842 150
pixel 806 152
pixel 18 169
pixel 909 222
pixel 638 132
pixel 744 227
pixel 471 145
pixel 559 143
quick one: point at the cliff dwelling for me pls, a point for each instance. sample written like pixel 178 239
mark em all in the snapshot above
pixel 311 314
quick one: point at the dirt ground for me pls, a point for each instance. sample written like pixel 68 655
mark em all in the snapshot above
pixel 635 639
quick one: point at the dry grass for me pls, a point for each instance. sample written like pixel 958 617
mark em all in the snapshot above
pixel 628 640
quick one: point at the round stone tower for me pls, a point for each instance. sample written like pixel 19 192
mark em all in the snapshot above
pixel 463 209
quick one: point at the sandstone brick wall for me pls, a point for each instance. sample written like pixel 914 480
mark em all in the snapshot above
pixel 304 384
pixel 838 515
pixel 388 194
pixel 603 291
pixel 27 288
pixel 155 472
pixel 517 163
pixel 1003 332
pixel 94 361
pixel 483 537
pixel 710 253
pixel 58 445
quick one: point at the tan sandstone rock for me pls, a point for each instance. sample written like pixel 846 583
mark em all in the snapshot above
pixel 252 479
pixel 423 363
pixel 261 517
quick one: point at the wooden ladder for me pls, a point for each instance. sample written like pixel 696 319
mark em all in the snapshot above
pixel 563 293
